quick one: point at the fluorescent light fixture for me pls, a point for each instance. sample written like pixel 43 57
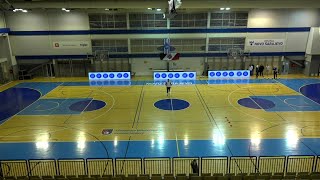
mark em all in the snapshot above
pixel 158 9
pixel 107 9
pixel 149 8
pixel 66 10
pixel 22 10
pixel 221 9
pixel 228 8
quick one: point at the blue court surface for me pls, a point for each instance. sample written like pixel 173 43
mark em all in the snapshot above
pixel 27 99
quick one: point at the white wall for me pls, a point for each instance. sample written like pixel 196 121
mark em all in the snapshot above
pixel 263 18
pixel 313 46
pixel 2 21
pixel 47 21
pixel 189 64
pixel 296 41
pixel 146 66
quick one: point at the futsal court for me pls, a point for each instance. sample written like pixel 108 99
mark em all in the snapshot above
pixel 75 118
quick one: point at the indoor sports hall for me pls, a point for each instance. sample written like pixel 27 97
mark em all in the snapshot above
pixel 138 89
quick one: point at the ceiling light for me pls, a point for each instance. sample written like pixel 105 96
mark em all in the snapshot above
pixel 107 9
pixel 221 9
pixel 227 8
pixel 149 8
pixel 22 10
pixel 158 9
pixel 66 10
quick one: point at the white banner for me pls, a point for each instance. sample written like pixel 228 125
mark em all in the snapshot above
pixel 266 42
pixel 70 44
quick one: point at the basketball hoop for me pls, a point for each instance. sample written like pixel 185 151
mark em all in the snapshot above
pixel 234 53
pixel 101 55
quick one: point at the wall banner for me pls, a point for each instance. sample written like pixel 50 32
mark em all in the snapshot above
pixel 70 44
pixel 266 42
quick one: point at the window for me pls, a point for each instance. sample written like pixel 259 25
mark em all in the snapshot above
pixel 147 21
pixel 146 45
pixel 229 19
pixel 224 44
pixel 188 45
pixel 111 46
pixel 189 20
pixel 107 21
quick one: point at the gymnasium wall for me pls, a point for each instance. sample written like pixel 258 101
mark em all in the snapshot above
pixel 265 18
pixel 78 21
pixel 2 21
pixel 313 46
pixel 45 21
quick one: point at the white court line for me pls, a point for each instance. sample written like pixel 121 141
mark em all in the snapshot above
pixel 229 96
pixel 6 84
pixel 23 108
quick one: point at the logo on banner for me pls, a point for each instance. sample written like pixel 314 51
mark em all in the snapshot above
pixel 71 44
pixel 107 131
pixel 266 42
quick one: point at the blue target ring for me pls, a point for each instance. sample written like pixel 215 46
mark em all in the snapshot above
pixel 245 74
pixel 177 75
pixel 170 75
pixel 119 75
pixel 92 75
pixel 163 75
pixel 225 74
pixel 125 75
pixel 239 73
pixel 231 73
pixel 106 83
pixel 191 75
pixel 218 74
pixel 99 76
pixel 111 75
pixel 93 83
pixel 105 75
pixel 157 75
pixel 184 75
pixel 212 74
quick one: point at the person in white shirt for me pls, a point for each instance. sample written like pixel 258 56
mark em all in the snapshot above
pixel 251 70
pixel 168 85
pixel 268 69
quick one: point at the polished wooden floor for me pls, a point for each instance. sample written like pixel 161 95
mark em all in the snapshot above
pixel 214 112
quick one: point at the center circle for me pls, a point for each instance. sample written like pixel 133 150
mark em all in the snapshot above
pixel 87 105
pixel 172 104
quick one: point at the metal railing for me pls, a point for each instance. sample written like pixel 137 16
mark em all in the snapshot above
pixel 162 166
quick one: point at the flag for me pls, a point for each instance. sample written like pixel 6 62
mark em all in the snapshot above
pixel 173 5
pixel 170 56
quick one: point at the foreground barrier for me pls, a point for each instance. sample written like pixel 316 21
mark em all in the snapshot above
pixel 162 166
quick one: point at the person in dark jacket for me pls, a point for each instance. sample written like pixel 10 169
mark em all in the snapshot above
pixel 257 71
pixel 261 69
pixel 194 166
pixel 275 72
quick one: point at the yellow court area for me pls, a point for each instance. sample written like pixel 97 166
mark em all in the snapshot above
pixel 131 114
